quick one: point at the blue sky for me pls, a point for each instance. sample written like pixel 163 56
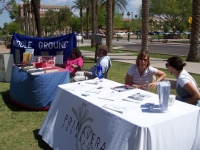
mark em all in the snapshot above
pixel 133 6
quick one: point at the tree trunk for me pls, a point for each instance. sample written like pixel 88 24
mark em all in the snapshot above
pixel 145 24
pixel 109 30
pixel 87 12
pixel 94 21
pixel 113 15
pixel 81 20
pixel 36 10
pixel 193 54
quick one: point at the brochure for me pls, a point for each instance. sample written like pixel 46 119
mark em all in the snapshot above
pixel 137 97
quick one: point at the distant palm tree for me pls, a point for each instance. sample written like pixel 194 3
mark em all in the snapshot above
pixel 128 14
pixel 145 24
pixel 109 24
pixel 51 18
pixel 36 10
pixel 193 54
pixel 63 16
pixel 79 5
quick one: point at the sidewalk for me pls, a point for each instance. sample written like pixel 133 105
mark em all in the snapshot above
pixel 125 57
pixel 155 62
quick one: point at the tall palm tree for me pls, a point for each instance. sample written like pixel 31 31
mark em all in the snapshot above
pixel 145 24
pixel 79 5
pixel 94 21
pixel 36 10
pixel 193 54
pixel 120 5
pixel 109 24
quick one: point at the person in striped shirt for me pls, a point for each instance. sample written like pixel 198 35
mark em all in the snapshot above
pixel 141 74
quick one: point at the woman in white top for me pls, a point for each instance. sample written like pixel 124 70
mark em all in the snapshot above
pixel 141 73
pixel 186 88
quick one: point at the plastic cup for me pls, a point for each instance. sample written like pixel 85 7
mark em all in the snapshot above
pixel 171 100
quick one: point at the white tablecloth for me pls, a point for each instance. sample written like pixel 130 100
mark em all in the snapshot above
pixel 76 122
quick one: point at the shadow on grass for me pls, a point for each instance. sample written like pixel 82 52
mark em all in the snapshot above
pixel 12 106
pixel 41 143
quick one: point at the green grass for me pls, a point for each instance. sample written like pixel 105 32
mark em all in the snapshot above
pixel 19 127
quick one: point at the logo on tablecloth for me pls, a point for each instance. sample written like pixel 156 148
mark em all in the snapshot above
pixel 80 127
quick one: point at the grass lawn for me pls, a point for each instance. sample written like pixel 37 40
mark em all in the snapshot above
pixel 19 127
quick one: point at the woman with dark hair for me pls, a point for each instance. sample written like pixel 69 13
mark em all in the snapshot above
pixel 186 89
pixel 141 73
pixel 100 31
pixel 75 62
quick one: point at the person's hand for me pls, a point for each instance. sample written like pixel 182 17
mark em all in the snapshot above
pixel 85 72
pixel 153 84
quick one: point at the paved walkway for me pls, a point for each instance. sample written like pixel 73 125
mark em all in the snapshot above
pixel 125 57
pixel 155 62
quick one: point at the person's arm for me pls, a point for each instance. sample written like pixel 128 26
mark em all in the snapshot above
pixel 160 76
pixel 128 81
pixel 189 87
pixel 79 64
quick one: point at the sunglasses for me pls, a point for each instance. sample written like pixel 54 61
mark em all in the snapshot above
pixel 143 59
pixel 73 52
pixel 167 65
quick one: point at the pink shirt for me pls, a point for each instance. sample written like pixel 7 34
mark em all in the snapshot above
pixel 77 61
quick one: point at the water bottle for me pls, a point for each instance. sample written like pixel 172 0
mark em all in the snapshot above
pixel 99 72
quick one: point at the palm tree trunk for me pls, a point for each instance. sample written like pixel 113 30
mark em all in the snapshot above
pixel 36 9
pixel 33 22
pixel 109 29
pixel 193 54
pixel 29 20
pixel 94 21
pixel 113 14
pixel 87 12
pixel 145 24
pixel 81 20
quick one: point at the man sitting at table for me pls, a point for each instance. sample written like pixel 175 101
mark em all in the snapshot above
pixel 103 60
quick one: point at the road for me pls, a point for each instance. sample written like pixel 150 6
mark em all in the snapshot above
pixel 181 49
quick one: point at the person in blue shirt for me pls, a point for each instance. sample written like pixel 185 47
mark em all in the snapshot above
pixel 103 60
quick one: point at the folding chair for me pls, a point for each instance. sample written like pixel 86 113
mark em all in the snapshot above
pixel 106 73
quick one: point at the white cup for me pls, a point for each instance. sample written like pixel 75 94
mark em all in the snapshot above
pixel 171 99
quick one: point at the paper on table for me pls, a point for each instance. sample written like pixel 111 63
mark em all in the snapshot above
pixel 121 108
pixel 136 98
pixel 75 87
pixel 95 90
pixel 111 97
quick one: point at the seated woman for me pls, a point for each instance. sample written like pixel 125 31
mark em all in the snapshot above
pixel 141 74
pixel 75 62
pixel 186 89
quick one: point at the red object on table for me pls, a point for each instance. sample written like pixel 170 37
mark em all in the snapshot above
pixel 40 64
